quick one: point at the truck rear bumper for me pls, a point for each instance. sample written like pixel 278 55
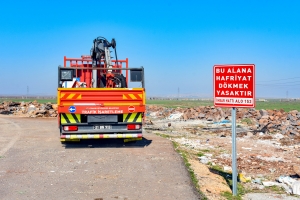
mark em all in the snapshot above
pixel 101 136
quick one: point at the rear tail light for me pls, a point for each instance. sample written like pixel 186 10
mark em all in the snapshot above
pixel 133 126
pixel 70 128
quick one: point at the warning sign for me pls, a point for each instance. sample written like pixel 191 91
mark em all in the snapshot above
pixel 234 85
pixel 131 109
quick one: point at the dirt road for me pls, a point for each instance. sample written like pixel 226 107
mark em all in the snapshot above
pixel 34 165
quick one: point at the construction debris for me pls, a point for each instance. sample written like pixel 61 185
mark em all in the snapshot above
pixel 268 141
pixel 258 121
pixel 29 109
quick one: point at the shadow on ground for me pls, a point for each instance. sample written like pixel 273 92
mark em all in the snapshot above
pixel 107 143
pixel 228 178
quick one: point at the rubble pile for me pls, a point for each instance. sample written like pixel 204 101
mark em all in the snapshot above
pixel 260 164
pixel 268 141
pixel 29 109
pixel 270 121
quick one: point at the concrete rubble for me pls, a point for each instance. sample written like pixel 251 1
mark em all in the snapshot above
pixel 29 109
pixel 258 121
pixel 268 141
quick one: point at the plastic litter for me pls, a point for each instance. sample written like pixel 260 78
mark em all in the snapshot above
pixel 247 148
pixel 270 183
pixel 287 188
pixel 243 178
pixel 257 181
pixel 289 184
pixel 227 169
pixel 175 116
pixel 278 136
pixel 287 180
pixel 153 114
pixel 296 187
pixel 203 159
pixel 223 122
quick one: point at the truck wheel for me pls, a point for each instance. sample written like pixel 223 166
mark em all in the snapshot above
pixel 62 142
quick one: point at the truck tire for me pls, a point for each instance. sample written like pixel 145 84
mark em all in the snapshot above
pixel 60 130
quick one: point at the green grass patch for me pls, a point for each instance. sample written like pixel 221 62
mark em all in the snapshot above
pixel 217 168
pixel 202 152
pixel 247 120
pixel 229 196
pixel 179 103
pixel 228 177
pixel 163 135
pixel 205 150
pixel 277 189
pixel 240 191
pixel 269 105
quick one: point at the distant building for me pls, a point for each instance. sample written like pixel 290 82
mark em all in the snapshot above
pixel 262 100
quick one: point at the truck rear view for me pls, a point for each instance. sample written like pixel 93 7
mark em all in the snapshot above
pixel 94 97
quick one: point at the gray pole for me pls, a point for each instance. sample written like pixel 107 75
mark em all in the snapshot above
pixel 95 78
pixel 234 165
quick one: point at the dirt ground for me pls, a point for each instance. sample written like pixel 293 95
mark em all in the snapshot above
pixel 34 165
pixel 259 156
pixel 212 185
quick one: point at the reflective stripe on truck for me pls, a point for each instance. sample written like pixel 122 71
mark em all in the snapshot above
pixel 70 118
pixel 132 117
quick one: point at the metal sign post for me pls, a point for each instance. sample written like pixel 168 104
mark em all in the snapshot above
pixel 234 165
pixel 234 86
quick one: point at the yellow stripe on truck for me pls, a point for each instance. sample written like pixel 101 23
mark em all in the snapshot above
pixel 70 96
pixel 132 117
pixel 124 96
pixel 62 95
pixel 132 96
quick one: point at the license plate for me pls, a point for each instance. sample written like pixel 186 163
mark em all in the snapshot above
pixel 102 127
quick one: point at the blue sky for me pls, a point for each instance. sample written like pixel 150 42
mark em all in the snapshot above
pixel 177 42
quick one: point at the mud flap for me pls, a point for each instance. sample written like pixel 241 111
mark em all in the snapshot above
pixel 69 140
pixel 132 139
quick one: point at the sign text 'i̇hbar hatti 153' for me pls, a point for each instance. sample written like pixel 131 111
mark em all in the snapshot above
pixel 234 85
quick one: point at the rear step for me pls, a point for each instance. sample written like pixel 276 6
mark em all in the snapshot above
pixel 101 136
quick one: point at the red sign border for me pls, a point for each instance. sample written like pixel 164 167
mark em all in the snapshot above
pixel 234 105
